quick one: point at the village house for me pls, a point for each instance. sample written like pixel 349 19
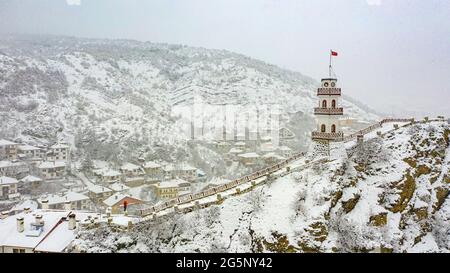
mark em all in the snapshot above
pixel 272 158
pixel 183 171
pixel 60 151
pixel 172 188
pixel 108 176
pixel 153 171
pixel 52 170
pixel 8 149
pixel 98 193
pixel 8 188
pixel 28 152
pixel 119 187
pixel 285 151
pixel 69 201
pixel 13 168
pixel 117 200
pixel 249 159
pixel 30 182
pixel 133 175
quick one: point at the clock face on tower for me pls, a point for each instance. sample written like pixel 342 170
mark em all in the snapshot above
pixel 325 84
pixel 333 84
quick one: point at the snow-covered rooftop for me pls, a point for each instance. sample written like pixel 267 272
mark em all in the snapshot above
pixel 129 167
pixel 117 197
pixel 97 188
pixel 4 142
pixel 119 187
pixel 60 146
pixel 27 147
pixel 151 165
pixel 173 183
pixel 51 164
pixel 249 155
pixel 110 173
pixel 4 180
pixel 30 179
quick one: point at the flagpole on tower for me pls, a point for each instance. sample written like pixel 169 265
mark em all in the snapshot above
pixel 329 67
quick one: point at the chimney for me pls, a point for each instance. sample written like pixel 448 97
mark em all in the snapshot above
pixel 72 221
pixel 20 224
pixel 4 214
pixel 67 205
pixel 38 219
pixel 44 204
pixel 26 210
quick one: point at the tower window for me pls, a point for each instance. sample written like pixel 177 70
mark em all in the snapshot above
pixel 322 128
pixel 333 128
pixel 324 104
pixel 333 104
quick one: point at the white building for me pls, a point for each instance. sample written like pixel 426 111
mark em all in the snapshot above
pixel 249 159
pixel 8 149
pixel 31 182
pixel 60 151
pixel 8 187
pixel 52 169
pixel 153 171
pixel 13 168
pixel 98 193
pixel 109 176
pixel 172 188
pixel 29 152
pixel 182 171
pixel 119 187
pixel 69 201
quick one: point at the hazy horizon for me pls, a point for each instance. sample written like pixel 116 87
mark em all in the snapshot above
pixel 393 55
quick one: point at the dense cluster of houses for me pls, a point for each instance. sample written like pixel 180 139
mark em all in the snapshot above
pixel 23 166
pixel 113 187
pixel 248 153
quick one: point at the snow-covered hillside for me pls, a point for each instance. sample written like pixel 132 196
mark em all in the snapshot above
pixel 390 195
pixel 115 98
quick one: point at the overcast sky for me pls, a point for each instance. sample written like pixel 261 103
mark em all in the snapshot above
pixel 391 52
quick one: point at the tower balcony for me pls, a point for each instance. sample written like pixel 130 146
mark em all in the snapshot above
pixel 339 136
pixel 328 91
pixel 328 111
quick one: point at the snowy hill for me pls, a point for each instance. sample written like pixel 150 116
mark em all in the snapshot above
pixel 390 195
pixel 115 98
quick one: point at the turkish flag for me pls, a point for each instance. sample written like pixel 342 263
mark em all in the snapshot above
pixel 334 53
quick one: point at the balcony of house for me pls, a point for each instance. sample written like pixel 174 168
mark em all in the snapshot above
pixel 328 91
pixel 328 136
pixel 328 111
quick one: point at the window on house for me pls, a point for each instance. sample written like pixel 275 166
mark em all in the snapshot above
pixel 322 128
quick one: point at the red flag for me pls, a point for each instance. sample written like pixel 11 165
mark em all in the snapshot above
pixel 334 53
